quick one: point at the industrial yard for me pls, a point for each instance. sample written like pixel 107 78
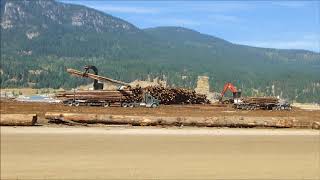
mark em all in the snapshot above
pixel 156 105
pixel 88 144
pixel 157 132
pixel 159 90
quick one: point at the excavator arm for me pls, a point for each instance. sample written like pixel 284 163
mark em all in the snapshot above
pixel 96 84
pixel 229 86
pixel 232 88
pixel 88 67
pixel 95 76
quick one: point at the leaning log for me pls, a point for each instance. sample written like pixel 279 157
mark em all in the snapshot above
pixel 222 121
pixel 18 119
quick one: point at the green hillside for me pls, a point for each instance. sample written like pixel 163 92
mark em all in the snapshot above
pixel 39 39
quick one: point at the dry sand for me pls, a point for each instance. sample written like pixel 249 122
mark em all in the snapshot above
pixel 144 153
pixel 306 106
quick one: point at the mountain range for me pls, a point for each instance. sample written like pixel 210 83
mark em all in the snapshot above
pixel 40 38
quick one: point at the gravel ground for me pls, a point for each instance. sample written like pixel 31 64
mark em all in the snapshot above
pixel 146 153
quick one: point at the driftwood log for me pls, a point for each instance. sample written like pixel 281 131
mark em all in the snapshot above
pixel 223 121
pixel 18 119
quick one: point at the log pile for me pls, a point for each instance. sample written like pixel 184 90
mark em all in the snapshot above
pixel 261 100
pixel 137 94
pixel 165 95
pixel 18 119
pixel 95 95
pixel 176 95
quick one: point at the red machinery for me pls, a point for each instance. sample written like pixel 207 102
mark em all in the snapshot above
pixel 233 89
pixel 253 103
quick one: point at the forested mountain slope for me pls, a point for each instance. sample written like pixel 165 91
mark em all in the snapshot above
pixel 39 38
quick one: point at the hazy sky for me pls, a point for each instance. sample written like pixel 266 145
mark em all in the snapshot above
pixel 277 24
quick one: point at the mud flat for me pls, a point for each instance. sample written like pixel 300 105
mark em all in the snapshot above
pixel 144 153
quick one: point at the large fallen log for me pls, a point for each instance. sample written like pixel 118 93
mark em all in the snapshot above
pixel 222 121
pixel 18 119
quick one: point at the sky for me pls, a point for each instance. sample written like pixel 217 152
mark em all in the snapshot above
pixel 271 24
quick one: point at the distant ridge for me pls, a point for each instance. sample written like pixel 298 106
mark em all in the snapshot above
pixel 47 35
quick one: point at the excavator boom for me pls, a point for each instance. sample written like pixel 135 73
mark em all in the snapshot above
pixel 232 88
pixel 96 84
pixel 229 86
pixel 95 77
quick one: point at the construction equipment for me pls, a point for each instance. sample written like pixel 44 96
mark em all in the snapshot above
pixel 253 103
pixel 96 84
pixel 125 96
pixel 128 96
pixel 95 76
pixel 264 103
pixel 236 94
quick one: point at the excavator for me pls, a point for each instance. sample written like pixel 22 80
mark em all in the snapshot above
pixel 252 103
pixel 96 84
pixel 236 94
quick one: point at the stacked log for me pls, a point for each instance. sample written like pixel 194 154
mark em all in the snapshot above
pixel 176 95
pixel 165 95
pixel 18 119
pixel 224 121
pixel 137 94
pixel 261 100
pixel 95 95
